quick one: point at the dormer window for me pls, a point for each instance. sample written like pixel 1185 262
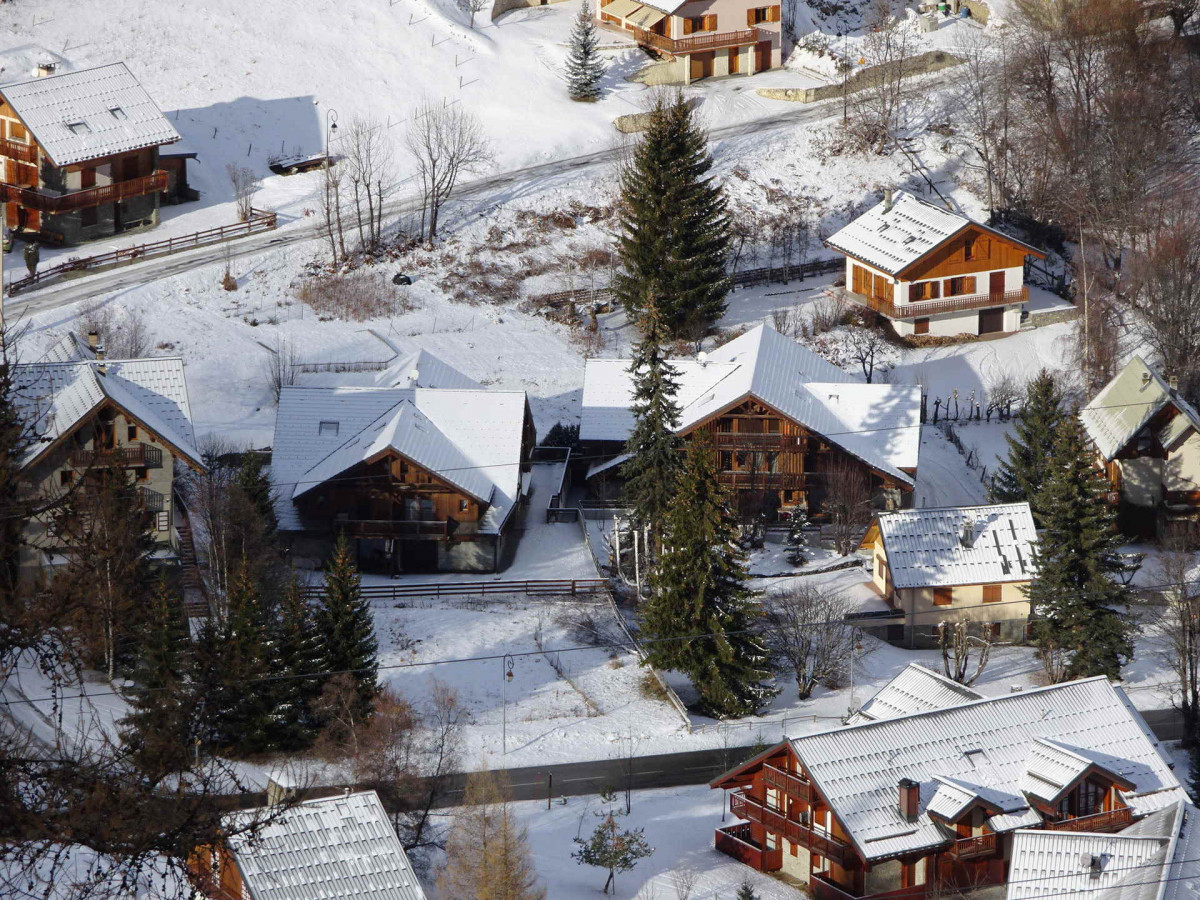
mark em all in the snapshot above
pixel 328 429
pixel 79 128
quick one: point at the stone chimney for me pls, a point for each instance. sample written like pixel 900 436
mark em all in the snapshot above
pixel 910 799
pixel 887 200
pixel 94 339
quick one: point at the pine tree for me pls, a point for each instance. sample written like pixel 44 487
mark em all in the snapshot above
pixel 1074 588
pixel 675 226
pixel 298 657
pixel 248 701
pixel 697 618
pixel 585 68
pixel 346 626
pixel 254 483
pixel 157 730
pixel 651 471
pixel 612 848
pixel 746 892
pixel 1022 474
pixel 797 538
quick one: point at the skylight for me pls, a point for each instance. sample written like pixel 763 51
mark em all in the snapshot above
pixel 118 113
pixel 79 128
pixel 328 429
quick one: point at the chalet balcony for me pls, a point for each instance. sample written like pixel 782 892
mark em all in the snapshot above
pixel 923 308
pixel 788 783
pixel 696 42
pixel 974 847
pixel 395 529
pixel 55 203
pixel 735 478
pixel 130 456
pixel 152 501
pixel 26 153
pixel 728 440
pixel 796 832
pixel 735 841
pixel 1113 820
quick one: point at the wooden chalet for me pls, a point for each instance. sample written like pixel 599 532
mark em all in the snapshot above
pixel 81 155
pixel 782 420
pixel 928 795
pixel 421 478
pixel 931 271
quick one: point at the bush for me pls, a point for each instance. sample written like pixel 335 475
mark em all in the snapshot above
pixel 651 688
pixel 354 297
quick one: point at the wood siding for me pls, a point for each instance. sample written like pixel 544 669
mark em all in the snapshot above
pixel 951 260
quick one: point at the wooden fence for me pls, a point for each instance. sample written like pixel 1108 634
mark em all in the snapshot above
pixel 258 221
pixel 391 593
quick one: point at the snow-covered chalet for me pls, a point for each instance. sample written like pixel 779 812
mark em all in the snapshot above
pixel 937 788
pixel 931 271
pixel 781 419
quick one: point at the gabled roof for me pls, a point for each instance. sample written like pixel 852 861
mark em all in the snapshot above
pixel 893 238
pixel 54 397
pixel 471 438
pixel 878 423
pixel 329 849
pixel 71 348
pixel 982 743
pixel 925 547
pixel 1052 768
pixel 422 369
pixel 89 114
pixel 914 689
pixel 1128 402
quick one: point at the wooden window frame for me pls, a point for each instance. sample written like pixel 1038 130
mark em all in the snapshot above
pixel 131 432
pixel 943 596
pixel 992 593
pixel 141 473
pixel 761 15
pixel 977 248
pixel 66 477
pixel 967 283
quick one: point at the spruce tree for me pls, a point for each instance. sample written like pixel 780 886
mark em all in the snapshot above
pixel 746 892
pixel 797 538
pixel 346 626
pixel 248 656
pixel 252 479
pixel 298 659
pixel 652 468
pixel 157 729
pixel 697 619
pixel 675 225
pixel 1022 474
pixel 1075 589
pixel 585 68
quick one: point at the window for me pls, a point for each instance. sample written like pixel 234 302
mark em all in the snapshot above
pixel 726 460
pixel 328 429
pixel 78 128
pixel 992 630
pixel 162 521
pixel 943 596
pixel 959 286
pixel 463 505
pixel 991 593
pixel 977 248
pixel 699 23
pixel 117 113
pixel 131 433
pixel 879 566
pixel 761 14
pixel 1091 798
pixel 924 290
pixel 65 477
pixel 921 326
pixel 142 473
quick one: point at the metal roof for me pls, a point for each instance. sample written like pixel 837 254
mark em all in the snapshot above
pixel 878 423
pixel 329 849
pixel 1127 403
pixel 78 116
pixel 422 369
pixel 959 545
pixel 985 744
pixel 1053 767
pixel 914 689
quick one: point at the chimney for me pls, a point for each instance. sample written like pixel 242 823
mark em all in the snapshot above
pixel 967 536
pixel 910 798
pixel 45 69
pixel 1146 376
pixel 1095 867
pixel 887 199
pixel 281 787
pixel 94 339
pixel 1173 382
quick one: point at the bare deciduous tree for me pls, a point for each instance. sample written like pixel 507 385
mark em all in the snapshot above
pixel 245 183
pixel 986 109
pixel 808 630
pixel 847 501
pixel 439 755
pixel 281 368
pixel 876 107
pixel 331 210
pixel 371 171
pixel 869 348
pixel 1179 626
pixel 123 336
pixel 446 141
pixel 958 647
pixel 471 7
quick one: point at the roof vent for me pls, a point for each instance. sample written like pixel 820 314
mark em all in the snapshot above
pixel 1146 376
pixel 1095 866
pixel 910 797
pixel 887 200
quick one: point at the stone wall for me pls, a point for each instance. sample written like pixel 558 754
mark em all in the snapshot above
pixel 932 61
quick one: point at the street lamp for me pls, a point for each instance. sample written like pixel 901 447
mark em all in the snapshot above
pixel 331 118
pixel 508 676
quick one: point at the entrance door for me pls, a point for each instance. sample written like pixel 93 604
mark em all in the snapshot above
pixel 418 556
pixel 735 60
pixel 996 286
pixel 762 56
pixel 991 320
pixel 701 65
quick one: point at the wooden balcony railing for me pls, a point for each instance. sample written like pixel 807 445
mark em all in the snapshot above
pixel 61 203
pixel 735 841
pixel 129 456
pixel 733 478
pixel 790 784
pixel 728 440
pixel 152 501
pixel 1112 820
pixel 974 847
pixel 933 307
pixel 796 832
pixel 16 150
pixel 696 42
pixel 822 888
pixel 387 528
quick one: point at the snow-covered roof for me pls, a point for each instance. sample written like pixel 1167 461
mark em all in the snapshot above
pixel 893 237
pixel 1131 864
pixel 878 423
pixel 422 369
pixel 931 547
pixel 71 348
pixel 65 871
pixel 983 746
pixel 1128 402
pixel 1052 768
pixel 470 438
pixel 914 689
pixel 328 849
pixel 88 114
pixel 54 397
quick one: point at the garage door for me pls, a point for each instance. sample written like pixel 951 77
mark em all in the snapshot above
pixel 991 320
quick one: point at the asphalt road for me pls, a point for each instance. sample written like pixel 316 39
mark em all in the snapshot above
pixel 71 290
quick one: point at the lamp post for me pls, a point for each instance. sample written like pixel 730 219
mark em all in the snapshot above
pixel 508 676
pixel 331 118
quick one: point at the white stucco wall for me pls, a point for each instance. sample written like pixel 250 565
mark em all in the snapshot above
pixel 1182 470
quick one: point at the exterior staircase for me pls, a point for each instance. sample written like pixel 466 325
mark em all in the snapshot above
pixel 194 599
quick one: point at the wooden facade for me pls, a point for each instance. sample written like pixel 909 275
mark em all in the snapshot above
pixel 790 827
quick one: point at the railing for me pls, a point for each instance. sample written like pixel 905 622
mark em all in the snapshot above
pixel 735 841
pixel 391 592
pixel 1104 821
pixel 972 847
pixel 16 150
pixel 391 528
pixel 60 203
pixel 824 889
pixel 796 832
pixel 725 440
pixel 933 307
pixel 736 477
pixel 790 784
pixel 130 456
pixel 152 501
pixel 695 42
pixel 258 221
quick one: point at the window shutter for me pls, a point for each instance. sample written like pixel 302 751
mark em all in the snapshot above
pixel 687 26
pixel 710 23
pixel 914 293
pixel 774 14
pixel 969 284
pixel 749 18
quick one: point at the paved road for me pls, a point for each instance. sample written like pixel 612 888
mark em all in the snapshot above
pixel 66 291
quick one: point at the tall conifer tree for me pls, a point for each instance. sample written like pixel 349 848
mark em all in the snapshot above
pixel 585 68
pixel 675 225
pixel 298 658
pixel 1074 589
pixel 346 626
pixel 652 468
pixel 249 701
pixel 254 483
pixel 697 618
pixel 1023 472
